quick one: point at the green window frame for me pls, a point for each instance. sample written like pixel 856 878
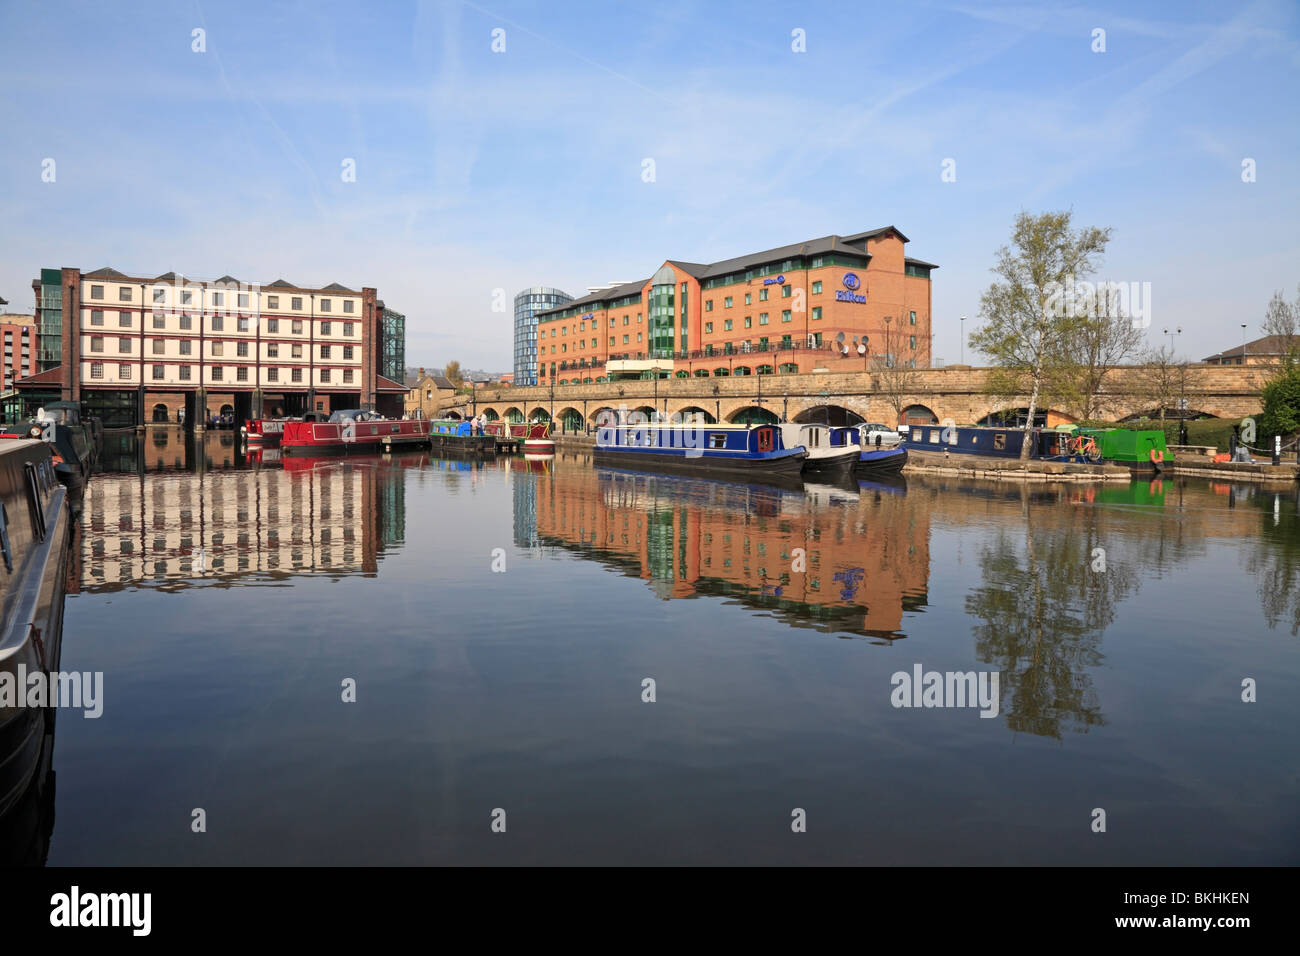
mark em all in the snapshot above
pixel 785 315
pixel 726 326
pixel 817 287
pixel 817 312
pixel 762 318
pixel 726 303
pixel 787 291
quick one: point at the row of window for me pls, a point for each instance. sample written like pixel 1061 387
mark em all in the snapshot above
pixel 218 348
pixel 242 300
pixel 217 373
pixel 242 323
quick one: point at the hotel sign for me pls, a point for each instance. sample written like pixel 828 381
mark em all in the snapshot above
pixel 779 280
pixel 849 293
pixel 587 315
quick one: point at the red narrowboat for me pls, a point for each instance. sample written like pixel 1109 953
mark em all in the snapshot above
pixel 519 431
pixel 351 431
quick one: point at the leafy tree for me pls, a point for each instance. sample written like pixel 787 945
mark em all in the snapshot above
pixel 1027 323
pixel 453 374
pixel 1281 415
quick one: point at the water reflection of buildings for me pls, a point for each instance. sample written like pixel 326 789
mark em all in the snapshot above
pixel 169 529
pixel 866 551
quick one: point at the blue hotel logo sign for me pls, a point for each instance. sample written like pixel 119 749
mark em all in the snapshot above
pixel 849 293
pixel 587 315
pixel 779 280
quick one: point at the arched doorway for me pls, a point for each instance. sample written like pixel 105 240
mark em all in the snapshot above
pixel 918 415
pixel 160 414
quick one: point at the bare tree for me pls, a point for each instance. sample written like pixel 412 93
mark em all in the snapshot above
pixel 893 377
pixel 1103 340
pixel 1282 319
pixel 1162 379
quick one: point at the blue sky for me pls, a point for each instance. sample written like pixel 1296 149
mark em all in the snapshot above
pixel 478 171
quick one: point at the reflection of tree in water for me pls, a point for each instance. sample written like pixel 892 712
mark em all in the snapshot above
pixel 1274 559
pixel 1043 611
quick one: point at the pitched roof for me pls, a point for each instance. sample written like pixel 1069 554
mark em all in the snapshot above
pixel 387 385
pixel 105 273
pixel 168 277
pixel 281 284
pixel 441 381
pixel 51 376
pixel 1267 345
pixel 855 244
pixel 335 287
pixel 229 280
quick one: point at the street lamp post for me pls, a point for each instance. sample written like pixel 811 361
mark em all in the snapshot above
pixel 963 340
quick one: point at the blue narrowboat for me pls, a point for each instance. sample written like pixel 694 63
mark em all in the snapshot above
pixel 989 441
pixel 450 428
pixel 872 459
pixel 748 452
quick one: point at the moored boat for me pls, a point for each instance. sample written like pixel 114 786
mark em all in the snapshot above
pixel 519 432
pixel 60 424
pixel 264 431
pixel 830 451
pixel 726 451
pixel 1142 451
pixel 349 431
pixel 34 534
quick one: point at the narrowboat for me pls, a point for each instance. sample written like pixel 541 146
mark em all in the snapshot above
pixel 266 432
pixel 878 456
pixel 519 432
pixel 351 431
pixel 831 451
pixel 746 452
pixel 35 532
pixel 60 424
pixel 1142 451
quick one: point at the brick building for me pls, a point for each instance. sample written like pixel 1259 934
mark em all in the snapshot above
pixel 18 333
pixel 834 303
pixel 142 349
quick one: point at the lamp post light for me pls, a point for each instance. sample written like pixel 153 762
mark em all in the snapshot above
pixel 1171 335
pixel 963 340
pixel 1243 343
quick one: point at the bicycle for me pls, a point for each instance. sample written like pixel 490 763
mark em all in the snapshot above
pixel 1084 446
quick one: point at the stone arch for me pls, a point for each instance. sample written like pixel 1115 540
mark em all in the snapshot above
pixel 752 414
pixel 686 412
pixel 646 412
pixel 918 415
pixel 571 419
pixel 491 414
pixel 513 414
pixel 539 414
pixel 828 415
pixel 604 417
pixel 160 413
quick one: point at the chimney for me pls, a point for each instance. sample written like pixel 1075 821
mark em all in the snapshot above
pixel 421 373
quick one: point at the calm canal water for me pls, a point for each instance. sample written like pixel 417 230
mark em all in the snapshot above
pixel 522 689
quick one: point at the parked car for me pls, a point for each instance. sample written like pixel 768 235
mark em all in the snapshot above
pixel 875 435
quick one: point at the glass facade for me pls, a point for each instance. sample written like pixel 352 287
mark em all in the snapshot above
pixel 392 345
pixel 51 320
pixel 663 313
pixel 527 304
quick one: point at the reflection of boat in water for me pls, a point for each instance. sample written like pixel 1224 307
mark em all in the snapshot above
pixel 744 452
pixel 882 484
pixel 34 535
